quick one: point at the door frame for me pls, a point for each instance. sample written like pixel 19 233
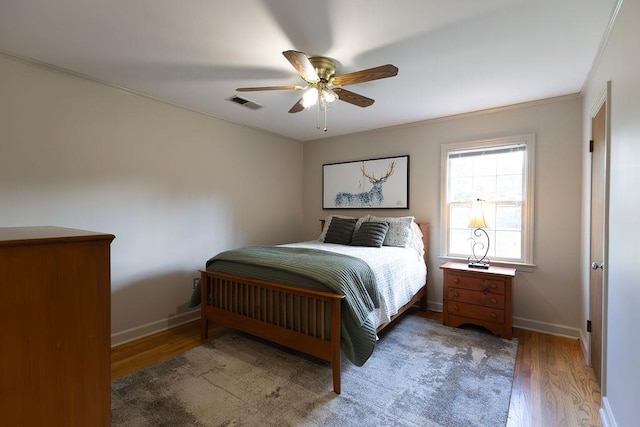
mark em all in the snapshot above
pixel 603 99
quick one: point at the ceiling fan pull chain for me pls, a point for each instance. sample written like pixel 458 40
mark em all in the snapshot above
pixel 318 118
pixel 325 119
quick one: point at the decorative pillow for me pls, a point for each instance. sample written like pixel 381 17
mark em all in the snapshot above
pixel 340 231
pixel 327 223
pixel 360 221
pixel 370 234
pixel 399 230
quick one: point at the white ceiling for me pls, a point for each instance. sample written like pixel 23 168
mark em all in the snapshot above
pixel 454 56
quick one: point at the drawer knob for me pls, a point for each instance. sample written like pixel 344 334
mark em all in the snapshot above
pixel 494 301
pixel 456 280
pixel 494 315
pixel 456 294
pixel 455 308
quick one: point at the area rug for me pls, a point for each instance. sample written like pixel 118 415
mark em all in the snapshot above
pixel 421 374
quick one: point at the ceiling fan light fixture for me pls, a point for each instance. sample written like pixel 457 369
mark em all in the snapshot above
pixel 329 96
pixel 310 97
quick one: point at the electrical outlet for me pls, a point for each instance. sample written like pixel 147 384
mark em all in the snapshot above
pixel 196 282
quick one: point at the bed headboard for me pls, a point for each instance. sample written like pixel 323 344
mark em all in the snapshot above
pixel 424 228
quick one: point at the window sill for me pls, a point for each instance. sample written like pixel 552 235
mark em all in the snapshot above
pixel 519 266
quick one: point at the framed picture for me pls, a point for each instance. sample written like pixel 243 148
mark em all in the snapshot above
pixel 366 184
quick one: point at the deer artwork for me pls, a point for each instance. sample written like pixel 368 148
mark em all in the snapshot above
pixel 373 197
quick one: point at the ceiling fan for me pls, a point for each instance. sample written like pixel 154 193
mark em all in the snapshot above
pixel 323 86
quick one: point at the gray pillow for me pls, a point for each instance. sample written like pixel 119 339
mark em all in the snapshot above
pixel 370 234
pixel 340 231
pixel 327 223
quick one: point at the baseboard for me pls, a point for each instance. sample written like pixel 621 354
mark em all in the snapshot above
pixel 533 325
pixel 547 328
pixel 173 321
pixel 154 327
pixel 606 416
pixel 434 306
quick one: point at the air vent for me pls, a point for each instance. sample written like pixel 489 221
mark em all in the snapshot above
pixel 244 102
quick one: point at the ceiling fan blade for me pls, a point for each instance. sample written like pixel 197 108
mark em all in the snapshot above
pixel 353 98
pixel 303 66
pixel 297 107
pixel 375 73
pixel 254 89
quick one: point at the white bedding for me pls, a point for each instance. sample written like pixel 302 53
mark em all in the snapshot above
pixel 399 273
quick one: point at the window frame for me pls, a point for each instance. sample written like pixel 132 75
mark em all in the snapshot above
pixel 527 229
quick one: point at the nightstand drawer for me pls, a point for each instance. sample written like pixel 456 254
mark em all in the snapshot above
pixel 476 298
pixel 476 312
pixel 482 284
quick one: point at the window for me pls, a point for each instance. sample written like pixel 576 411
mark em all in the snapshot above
pixel 501 173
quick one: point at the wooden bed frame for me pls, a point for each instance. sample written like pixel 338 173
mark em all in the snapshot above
pixel 256 307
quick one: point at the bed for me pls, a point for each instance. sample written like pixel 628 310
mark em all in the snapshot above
pixel 319 296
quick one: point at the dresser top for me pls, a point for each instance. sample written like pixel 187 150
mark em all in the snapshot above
pixel 502 271
pixel 11 236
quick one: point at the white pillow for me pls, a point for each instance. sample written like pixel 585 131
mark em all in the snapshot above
pixel 415 241
pixel 399 229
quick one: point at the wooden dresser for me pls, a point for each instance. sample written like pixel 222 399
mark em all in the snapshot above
pixel 479 297
pixel 55 318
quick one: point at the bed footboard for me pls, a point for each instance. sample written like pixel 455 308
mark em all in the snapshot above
pixel 294 317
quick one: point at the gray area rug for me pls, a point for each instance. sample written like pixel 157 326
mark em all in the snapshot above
pixel 421 374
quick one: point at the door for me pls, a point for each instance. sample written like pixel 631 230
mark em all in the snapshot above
pixel 598 197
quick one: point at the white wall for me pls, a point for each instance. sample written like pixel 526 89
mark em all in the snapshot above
pixel 620 64
pixel 174 186
pixel 545 298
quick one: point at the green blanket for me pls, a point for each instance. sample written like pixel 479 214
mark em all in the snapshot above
pixel 319 270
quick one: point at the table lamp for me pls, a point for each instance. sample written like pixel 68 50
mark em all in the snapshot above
pixel 478 222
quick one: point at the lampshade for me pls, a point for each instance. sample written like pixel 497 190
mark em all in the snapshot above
pixel 329 96
pixel 310 97
pixel 321 93
pixel 477 215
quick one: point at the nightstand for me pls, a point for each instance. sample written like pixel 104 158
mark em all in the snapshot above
pixel 478 296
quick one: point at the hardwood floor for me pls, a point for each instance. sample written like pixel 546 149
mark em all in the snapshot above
pixel 552 386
